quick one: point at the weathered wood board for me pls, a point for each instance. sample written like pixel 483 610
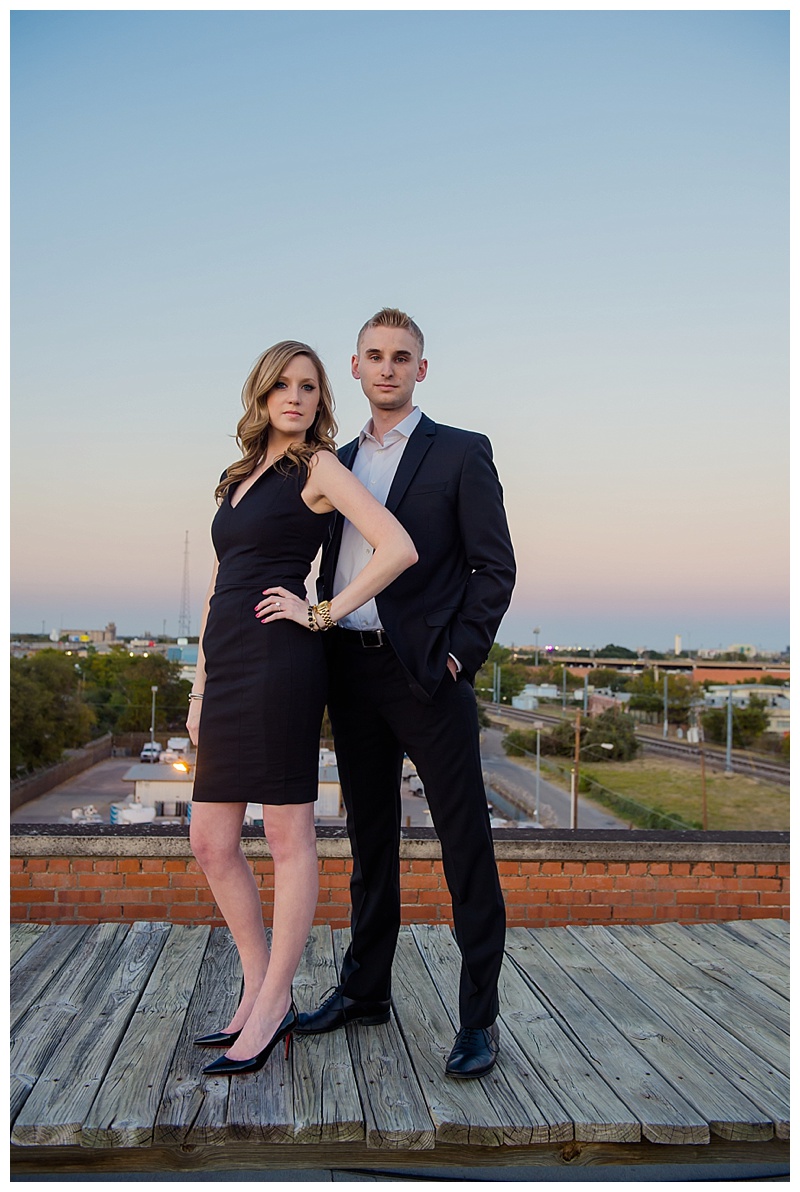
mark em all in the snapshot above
pixel 124 1110
pixel 461 1110
pixel 723 946
pixel 36 968
pixel 763 941
pixel 70 994
pixel 665 1116
pixel 21 937
pixel 326 1102
pixel 520 1090
pixel 206 1161
pixel 748 987
pixel 194 1107
pixel 745 1016
pixel 754 1094
pixel 59 1102
pixel 396 1116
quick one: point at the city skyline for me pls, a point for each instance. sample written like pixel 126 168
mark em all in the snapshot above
pixel 537 641
pixel 587 212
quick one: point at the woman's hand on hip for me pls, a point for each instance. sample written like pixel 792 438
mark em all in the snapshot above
pixel 193 720
pixel 279 604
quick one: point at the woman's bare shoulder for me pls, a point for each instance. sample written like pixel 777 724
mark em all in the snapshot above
pixel 324 465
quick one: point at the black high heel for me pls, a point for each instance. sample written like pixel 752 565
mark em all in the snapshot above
pixel 217 1039
pixel 227 1067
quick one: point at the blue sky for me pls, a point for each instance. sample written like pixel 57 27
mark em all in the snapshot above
pixel 587 213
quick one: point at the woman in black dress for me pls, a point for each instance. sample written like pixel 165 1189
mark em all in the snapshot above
pixel 259 694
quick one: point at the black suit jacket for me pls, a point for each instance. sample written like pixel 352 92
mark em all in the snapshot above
pixel 447 494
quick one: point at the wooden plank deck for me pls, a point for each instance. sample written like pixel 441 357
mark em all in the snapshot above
pixel 619 1045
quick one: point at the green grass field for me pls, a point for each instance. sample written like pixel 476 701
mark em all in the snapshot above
pixel 737 803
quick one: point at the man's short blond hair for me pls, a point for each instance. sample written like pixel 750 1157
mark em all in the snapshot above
pixel 390 316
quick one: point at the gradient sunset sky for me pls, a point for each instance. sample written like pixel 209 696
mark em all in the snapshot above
pixel 586 212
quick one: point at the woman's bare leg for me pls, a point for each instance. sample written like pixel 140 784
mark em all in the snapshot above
pixel 215 834
pixel 293 843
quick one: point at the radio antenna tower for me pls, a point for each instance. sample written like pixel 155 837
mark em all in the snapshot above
pixel 184 617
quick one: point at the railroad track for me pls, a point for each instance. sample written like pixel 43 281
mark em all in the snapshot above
pixel 715 758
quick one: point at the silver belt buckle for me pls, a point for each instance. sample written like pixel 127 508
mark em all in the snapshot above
pixel 369 645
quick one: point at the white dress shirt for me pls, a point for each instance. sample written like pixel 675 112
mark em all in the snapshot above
pixel 375 466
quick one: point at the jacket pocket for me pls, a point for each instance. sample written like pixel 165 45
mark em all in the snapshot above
pixel 442 616
pixel 424 490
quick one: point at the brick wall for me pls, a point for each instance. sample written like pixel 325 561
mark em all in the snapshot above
pixel 549 879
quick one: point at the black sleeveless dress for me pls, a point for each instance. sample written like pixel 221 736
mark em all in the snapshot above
pixel 265 684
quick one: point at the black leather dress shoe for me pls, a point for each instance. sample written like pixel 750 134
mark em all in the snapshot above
pixel 337 1011
pixel 474 1052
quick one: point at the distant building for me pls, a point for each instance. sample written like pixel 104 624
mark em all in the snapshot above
pixel 93 637
pixel 160 791
pixel 605 700
pixel 186 654
pixel 777 701
pixel 329 792
pixel 528 698
pixel 744 651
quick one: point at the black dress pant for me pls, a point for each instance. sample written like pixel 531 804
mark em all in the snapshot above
pixel 376 719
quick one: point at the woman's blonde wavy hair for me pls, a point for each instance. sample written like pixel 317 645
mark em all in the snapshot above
pixel 253 428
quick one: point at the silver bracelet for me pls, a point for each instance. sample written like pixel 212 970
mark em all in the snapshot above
pixel 195 695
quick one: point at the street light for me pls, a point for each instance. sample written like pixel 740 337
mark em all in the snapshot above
pixel 153 717
pixel 577 767
pixel 538 724
pixel 536 633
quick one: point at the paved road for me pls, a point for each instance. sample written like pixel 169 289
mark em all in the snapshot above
pixel 496 762
pixel 102 785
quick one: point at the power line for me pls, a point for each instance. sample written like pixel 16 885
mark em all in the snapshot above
pixel 184 617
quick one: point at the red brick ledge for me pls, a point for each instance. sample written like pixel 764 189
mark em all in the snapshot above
pixel 97 873
pixel 511 844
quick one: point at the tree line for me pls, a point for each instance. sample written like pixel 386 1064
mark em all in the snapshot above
pixel 61 702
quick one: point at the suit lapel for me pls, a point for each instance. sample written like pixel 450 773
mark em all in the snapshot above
pixel 347 454
pixel 416 448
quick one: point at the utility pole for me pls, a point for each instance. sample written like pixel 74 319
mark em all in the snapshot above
pixel 184 617
pixel 538 768
pixel 729 734
pixel 153 717
pixel 576 770
pixel 666 706
pixel 536 633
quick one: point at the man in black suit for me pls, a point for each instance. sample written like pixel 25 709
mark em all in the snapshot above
pixel 401 674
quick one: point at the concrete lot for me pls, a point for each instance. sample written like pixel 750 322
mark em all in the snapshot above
pixel 103 785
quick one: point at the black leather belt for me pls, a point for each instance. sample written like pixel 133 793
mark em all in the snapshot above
pixel 367 639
